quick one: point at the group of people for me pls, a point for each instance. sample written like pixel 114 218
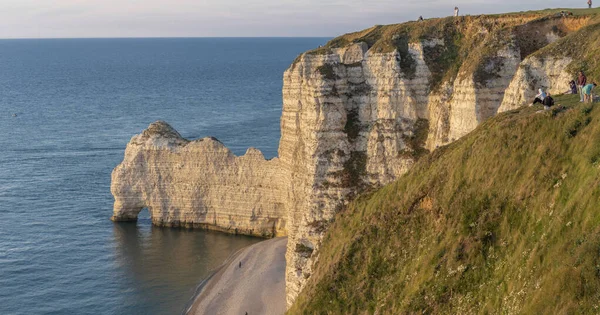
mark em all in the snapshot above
pixel 543 98
pixel 581 87
pixel 584 88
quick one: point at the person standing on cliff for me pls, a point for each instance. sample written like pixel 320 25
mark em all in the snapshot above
pixel 590 4
pixel 587 92
pixel 456 11
pixel 581 82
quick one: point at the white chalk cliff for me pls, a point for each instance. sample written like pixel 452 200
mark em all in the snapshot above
pixel 198 184
pixel 356 115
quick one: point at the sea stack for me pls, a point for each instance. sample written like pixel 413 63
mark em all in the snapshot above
pixel 198 184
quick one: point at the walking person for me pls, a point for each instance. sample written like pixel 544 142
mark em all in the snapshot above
pixel 590 4
pixel 581 82
pixel 456 10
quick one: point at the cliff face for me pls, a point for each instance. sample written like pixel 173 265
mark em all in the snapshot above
pixel 357 114
pixel 346 118
pixel 535 72
pixel 198 184
pixel 362 109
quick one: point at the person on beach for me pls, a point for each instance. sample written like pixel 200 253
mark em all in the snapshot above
pixel 589 4
pixel 588 97
pixel 581 82
pixel 540 97
pixel 456 11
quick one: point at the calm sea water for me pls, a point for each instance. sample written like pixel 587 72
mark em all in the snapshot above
pixel 67 110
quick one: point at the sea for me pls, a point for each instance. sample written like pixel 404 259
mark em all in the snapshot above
pixel 68 107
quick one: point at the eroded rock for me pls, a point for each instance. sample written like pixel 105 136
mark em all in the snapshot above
pixel 198 184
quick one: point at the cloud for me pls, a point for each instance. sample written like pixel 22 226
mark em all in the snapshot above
pixel 118 18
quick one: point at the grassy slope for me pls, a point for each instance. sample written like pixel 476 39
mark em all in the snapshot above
pixel 507 218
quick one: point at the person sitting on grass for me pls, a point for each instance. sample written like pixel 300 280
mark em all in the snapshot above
pixel 540 97
pixel 548 102
pixel 588 97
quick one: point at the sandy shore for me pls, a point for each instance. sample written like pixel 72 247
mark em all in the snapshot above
pixel 257 287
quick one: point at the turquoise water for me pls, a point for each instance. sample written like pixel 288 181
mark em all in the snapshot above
pixel 67 110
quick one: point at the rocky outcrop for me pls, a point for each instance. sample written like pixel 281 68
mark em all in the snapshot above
pixel 198 184
pixel 356 115
pixel 478 96
pixel 549 73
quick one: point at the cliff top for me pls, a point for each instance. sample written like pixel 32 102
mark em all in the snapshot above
pixel 385 38
pixel 505 218
pixel 161 134
pixel 466 45
pixel 161 129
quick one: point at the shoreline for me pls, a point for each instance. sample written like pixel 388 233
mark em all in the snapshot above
pixel 257 287
pixel 199 289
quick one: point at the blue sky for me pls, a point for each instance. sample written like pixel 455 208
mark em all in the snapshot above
pixel 199 18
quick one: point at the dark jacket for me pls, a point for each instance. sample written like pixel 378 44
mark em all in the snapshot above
pixel 573 87
pixel 581 80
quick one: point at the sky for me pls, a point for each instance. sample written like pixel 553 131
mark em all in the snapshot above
pixel 231 18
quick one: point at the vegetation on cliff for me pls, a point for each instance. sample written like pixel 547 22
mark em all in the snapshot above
pixel 470 45
pixel 583 46
pixel 505 219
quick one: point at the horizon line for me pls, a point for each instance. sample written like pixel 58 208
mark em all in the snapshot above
pixel 262 36
pixel 157 37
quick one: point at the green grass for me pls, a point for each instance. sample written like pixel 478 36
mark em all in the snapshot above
pixel 505 220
